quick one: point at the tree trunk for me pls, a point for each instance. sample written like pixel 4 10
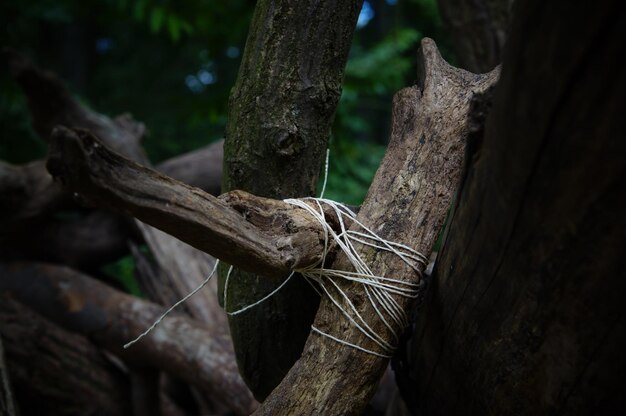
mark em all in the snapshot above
pixel 281 110
pixel 407 204
pixel 526 312
pixel 478 30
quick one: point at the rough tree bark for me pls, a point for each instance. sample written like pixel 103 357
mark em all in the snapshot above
pixel 51 103
pixel 58 372
pixel 180 346
pixel 526 312
pixel 280 114
pixel 478 30
pixel 418 173
pixel 256 234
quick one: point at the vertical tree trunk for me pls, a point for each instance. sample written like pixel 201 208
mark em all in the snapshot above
pixel 478 30
pixel 526 313
pixel 281 110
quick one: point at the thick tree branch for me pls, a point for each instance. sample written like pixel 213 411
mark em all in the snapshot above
pixel 180 346
pixel 57 372
pixel 201 168
pixel 280 239
pixel 419 174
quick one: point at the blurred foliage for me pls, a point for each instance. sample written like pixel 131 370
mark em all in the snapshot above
pixel 123 271
pixel 172 65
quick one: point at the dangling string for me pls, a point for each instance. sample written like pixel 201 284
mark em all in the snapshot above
pixel 158 321
pixel 379 290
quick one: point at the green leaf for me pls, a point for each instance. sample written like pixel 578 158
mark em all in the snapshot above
pixel 173 27
pixel 156 19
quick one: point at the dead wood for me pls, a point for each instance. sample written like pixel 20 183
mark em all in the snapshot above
pixel 201 168
pixel 51 103
pixel 419 174
pixel 87 242
pixel 28 191
pixel 56 372
pixel 180 345
pixel 256 234
pixel 525 315
pixel 477 30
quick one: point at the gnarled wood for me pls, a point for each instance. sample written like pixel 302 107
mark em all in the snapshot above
pixel 526 314
pixel 201 168
pixel 86 243
pixel 180 345
pixel 419 174
pixel 51 103
pixel 57 372
pixel 273 240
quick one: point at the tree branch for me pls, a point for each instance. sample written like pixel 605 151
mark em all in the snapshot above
pixel 180 345
pixel 419 174
pixel 57 372
pixel 282 238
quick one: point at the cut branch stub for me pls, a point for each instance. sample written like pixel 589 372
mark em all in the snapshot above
pixel 273 241
pixel 407 203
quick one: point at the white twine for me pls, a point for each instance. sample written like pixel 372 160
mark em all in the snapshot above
pixel 380 290
pixel 158 321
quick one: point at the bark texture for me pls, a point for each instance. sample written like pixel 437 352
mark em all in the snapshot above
pixel 253 233
pixel 280 114
pixel 526 312
pixel 419 173
pixel 478 30
pixel 180 346
pixel 87 242
pixel 56 372
pixel 200 168
pixel 51 103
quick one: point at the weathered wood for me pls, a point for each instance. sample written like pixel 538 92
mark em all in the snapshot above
pixel 419 174
pixel 478 30
pixel 51 103
pixel 526 314
pixel 201 168
pixel 272 239
pixel 27 191
pixel 180 345
pixel 56 372
pixel 86 243
pixel 280 114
